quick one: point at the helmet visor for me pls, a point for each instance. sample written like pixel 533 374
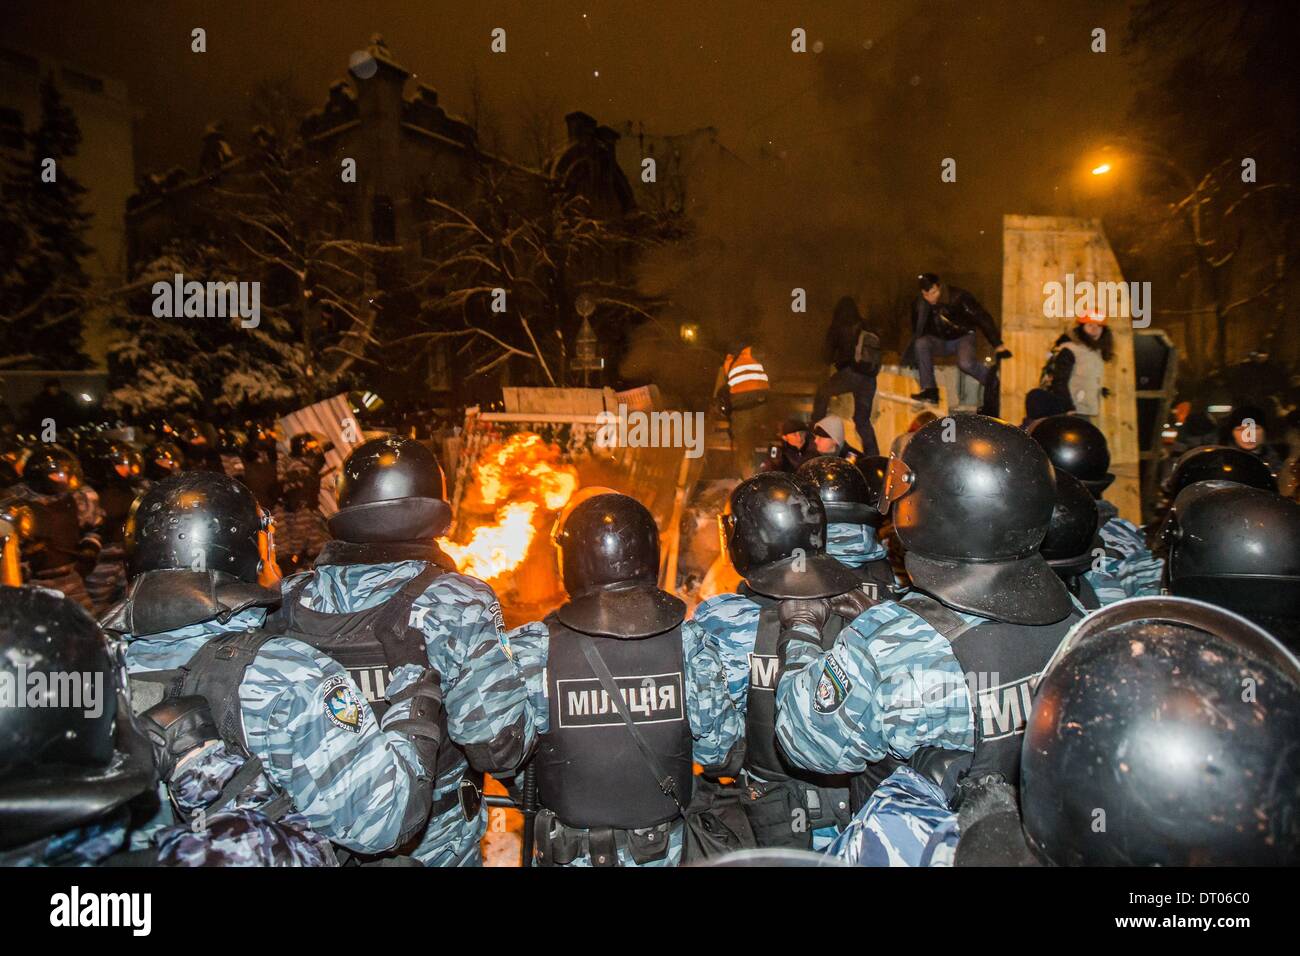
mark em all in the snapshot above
pixel 899 479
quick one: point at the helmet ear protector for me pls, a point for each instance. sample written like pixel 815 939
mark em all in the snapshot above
pixel 899 480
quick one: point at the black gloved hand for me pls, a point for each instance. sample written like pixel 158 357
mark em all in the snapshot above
pixel 808 614
pixel 1003 353
pixel 852 603
pixel 175 727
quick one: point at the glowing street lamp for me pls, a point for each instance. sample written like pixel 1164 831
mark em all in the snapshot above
pixel 1101 170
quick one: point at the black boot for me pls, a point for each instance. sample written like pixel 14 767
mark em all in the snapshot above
pixel 930 395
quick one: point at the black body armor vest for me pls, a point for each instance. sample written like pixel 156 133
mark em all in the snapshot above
pixel 878 579
pixel 349 638
pixel 56 535
pixel 823 798
pixel 1002 664
pixel 116 500
pixel 590 773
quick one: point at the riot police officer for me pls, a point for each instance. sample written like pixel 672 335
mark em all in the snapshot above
pixel 163 459
pixel 300 528
pixel 1078 446
pixel 1237 547
pixel 383 573
pixel 117 470
pixel 853 519
pixel 70 774
pixel 630 699
pixel 913 679
pixel 774 531
pixel 44 508
pixel 244 719
pixel 1217 463
pixel 1071 540
pixel 1142 716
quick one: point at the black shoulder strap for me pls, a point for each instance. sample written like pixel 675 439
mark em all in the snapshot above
pixel 282 618
pixel 665 780
pixel 943 619
pixel 215 673
pixel 397 609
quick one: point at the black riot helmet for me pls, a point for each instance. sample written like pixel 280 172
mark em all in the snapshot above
pixel 874 469
pixel 842 488
pixel 163 459
pixel 972 498
pixel 1237 547
pixel 774 530
pixel 391 489
pixel 112 461
pixel 70 764
pixel 1076 445
pixel 52 470
pixel 1072 532
pixel 608 550
pixel 1216 463
pixel 195 521
pixel 12 454
pixel 1177 720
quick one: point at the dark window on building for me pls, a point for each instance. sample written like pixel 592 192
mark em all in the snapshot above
pixel 83 81
pixel 383 223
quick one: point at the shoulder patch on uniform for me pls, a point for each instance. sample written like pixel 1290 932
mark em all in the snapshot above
pixel 497 617
pixel 833 687
pixel 343 705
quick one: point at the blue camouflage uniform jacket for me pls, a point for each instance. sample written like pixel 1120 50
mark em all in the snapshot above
pixel 1126 568
pixel 905 822
pixel 350 780
pixel 484 693
pixel 728 623
pixel 716 725
pixel 87 845
pixel 853 544
pixel 898 688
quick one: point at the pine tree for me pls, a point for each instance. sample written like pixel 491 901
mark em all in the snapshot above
pixel 204 366
pixel 43 292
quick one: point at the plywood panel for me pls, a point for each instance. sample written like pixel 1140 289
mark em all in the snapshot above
pixel 1041 249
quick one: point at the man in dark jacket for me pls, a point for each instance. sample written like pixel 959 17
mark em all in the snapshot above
pixel 944 322
pixel 854 350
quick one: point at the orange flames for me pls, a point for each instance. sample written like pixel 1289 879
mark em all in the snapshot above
pixel 518 482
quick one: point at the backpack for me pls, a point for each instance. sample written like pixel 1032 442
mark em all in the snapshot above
pixel 866 352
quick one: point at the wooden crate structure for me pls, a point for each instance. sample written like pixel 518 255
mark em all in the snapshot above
pixel 1041 249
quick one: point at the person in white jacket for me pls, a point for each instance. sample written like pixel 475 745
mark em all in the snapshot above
pixel 1077 366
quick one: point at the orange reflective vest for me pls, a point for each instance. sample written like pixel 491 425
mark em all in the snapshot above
pixel 744 373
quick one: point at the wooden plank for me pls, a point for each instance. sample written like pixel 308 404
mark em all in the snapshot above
pixel 1041 249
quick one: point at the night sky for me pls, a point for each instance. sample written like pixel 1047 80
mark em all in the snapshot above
pixel 842 147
